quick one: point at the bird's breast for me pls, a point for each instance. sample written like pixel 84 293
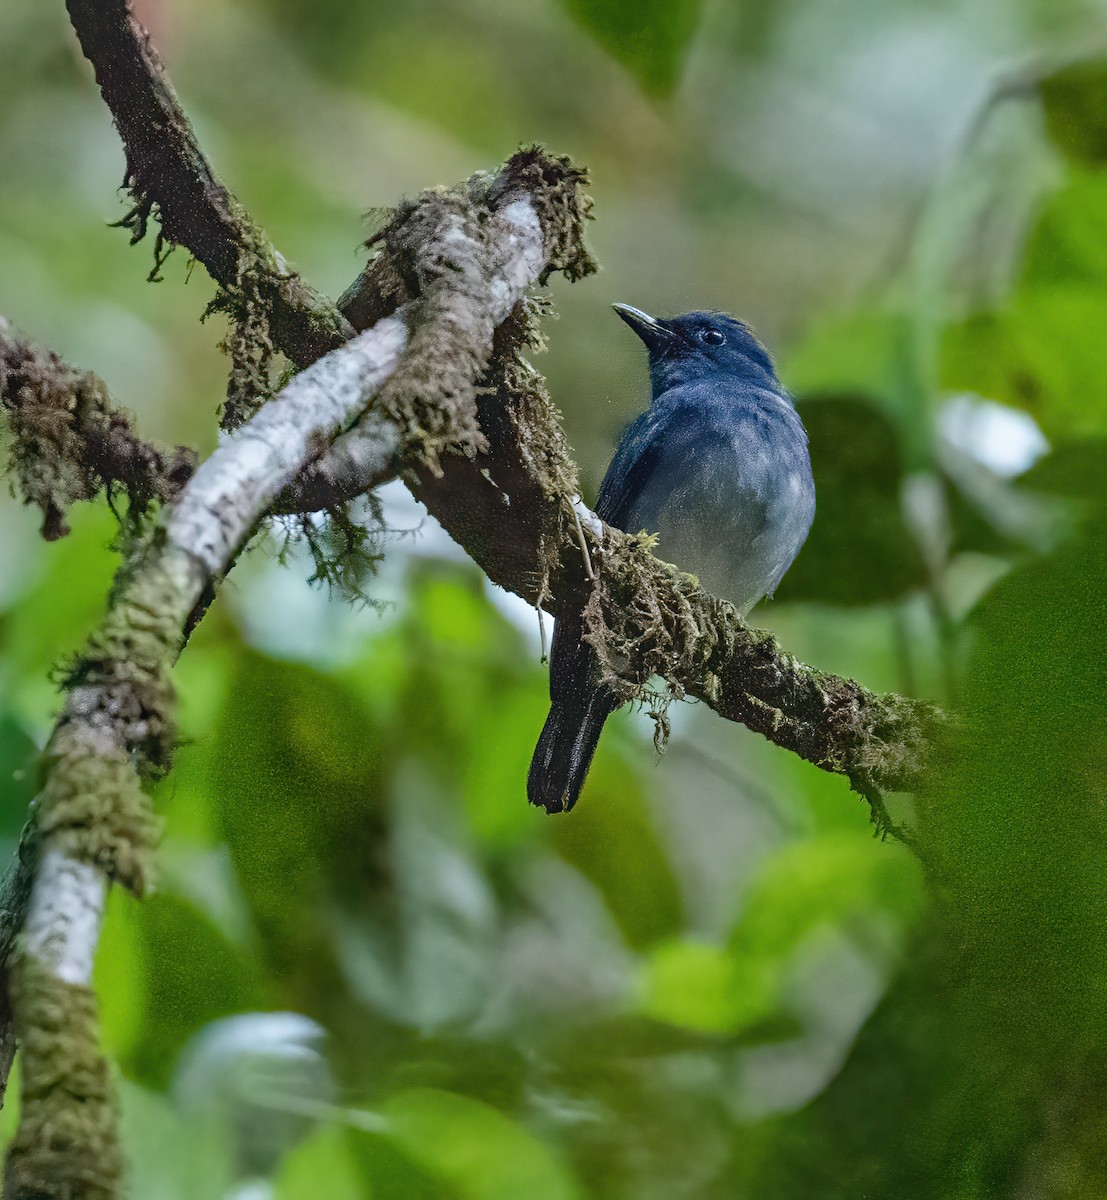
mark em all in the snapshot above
pixel 734 507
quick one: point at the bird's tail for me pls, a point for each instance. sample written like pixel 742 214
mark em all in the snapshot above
pixel 564 751
pixel 579 706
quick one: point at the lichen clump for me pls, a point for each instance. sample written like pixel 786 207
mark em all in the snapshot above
pixel 249 343
pixel 67 1144
pixel 523 429
pixel 93 808
pixel 440 246
pixel 645 618
pixel 557 188
pixel 68 442
pixel 437 250
pixel 117 727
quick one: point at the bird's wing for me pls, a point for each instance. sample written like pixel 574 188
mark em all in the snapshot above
pixel 634 461
pixel 680 449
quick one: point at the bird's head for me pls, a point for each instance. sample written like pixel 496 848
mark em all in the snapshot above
pixel 696 345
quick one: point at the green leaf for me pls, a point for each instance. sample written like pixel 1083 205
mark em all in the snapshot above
pixel 859 550
pixel 1073 469
pixel 481 1152
pixel 832 881
pixel 494 788
pixel 170 1157
pixel 1044 354
pixel 697 986
pixel 826 881
pixel 1068 244
pixel 323 1165
pixel 185 974
pixel 18 759
pixel 55 615
pixel 9 1114
pixel 872 354
pixel 649 37
pixel 1075 100
pixel 296 772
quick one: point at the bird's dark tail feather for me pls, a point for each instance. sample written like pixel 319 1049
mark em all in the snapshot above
pixel 565 749
pixel 579 706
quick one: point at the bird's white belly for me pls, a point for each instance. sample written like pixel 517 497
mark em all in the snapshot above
pixel 708 532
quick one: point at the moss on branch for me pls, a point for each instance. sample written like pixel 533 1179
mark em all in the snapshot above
pixel 67 1144
pixel 68 442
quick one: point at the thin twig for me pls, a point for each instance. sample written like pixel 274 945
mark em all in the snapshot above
pixel 582 542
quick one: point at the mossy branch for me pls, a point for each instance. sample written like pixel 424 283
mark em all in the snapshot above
pixel 170 179
pixel 69 442
pixel 508 507
pixel 92 820
pixel 466 419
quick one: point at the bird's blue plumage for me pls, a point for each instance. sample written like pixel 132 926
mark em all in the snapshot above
pixel 718 468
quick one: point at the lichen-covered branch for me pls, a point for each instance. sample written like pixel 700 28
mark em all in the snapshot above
pixel 67 1092
pixel 93 822
pixel 507 507
pixel 170 179
pixel 538 206
pixel 459 410
pixel 69 442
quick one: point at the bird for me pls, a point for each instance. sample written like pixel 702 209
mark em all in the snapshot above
pixel 718 468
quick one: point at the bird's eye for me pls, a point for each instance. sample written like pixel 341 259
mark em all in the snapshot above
pixel 712 337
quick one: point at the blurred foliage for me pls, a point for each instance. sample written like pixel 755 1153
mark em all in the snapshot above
pixel 857 461
pixel 650 39
pixel 1043 348
pixel 1074 99
pixel 709 981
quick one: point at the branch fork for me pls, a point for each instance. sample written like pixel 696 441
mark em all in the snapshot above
pixel 420 370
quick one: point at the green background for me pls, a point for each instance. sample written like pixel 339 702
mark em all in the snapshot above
pixel 709 981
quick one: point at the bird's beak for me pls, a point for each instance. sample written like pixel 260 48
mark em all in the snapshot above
pixel 656 335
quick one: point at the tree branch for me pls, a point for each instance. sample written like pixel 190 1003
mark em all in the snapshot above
pixel 93 821
pixel 169 178
pixel 460 411
pixel 653 620
pixel 70 442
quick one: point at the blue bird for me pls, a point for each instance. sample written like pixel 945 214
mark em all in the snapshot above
pixel 718 468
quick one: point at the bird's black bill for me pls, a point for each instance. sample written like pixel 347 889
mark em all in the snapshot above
pixel 653 332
